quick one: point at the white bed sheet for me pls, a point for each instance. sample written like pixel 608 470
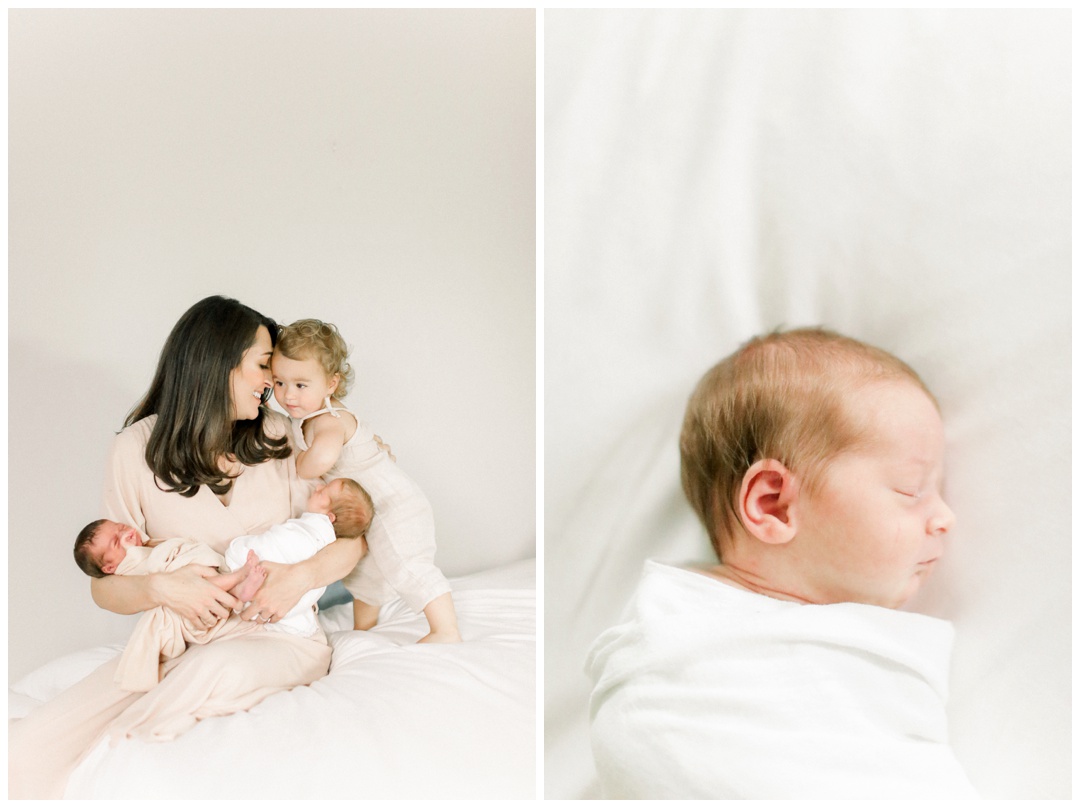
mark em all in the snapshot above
pixel 392 719
pixel 900 176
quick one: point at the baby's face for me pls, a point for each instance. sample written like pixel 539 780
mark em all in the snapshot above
pixel 874 529
pixel 110 543
pixel 300 385
pixel 325 497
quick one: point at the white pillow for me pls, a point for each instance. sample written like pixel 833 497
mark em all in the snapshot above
pixel 51 678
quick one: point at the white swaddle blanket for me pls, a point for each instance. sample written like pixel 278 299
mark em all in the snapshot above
pixel 708 691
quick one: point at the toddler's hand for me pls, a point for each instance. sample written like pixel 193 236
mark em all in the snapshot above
pixel 386 447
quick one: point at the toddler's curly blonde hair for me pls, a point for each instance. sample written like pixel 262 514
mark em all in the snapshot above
pixel 314 339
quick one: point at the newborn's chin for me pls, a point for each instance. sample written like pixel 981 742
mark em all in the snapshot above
pixel 894 598
pixel 913 586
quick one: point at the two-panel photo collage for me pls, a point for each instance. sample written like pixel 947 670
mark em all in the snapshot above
pixel 539 404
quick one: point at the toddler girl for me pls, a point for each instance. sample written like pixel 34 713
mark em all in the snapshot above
pixel 311 376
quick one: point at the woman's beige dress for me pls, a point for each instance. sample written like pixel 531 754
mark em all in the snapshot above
pixel 220 678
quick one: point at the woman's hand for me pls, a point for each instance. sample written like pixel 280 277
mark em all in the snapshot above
pixel 285 584
pixel 187 592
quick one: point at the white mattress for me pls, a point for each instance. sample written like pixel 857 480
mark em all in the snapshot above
pixel 392 719
pixel 902 177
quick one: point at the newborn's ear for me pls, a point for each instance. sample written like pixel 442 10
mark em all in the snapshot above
pixel 768 502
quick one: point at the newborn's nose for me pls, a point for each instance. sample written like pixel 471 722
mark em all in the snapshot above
pixel 942 521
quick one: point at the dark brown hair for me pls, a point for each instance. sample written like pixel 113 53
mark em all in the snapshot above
pixel 190 395
pixel 86 562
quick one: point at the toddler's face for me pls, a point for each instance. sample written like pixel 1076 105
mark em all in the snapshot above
pixel 110 543
pixel 875 526
pixel 300 385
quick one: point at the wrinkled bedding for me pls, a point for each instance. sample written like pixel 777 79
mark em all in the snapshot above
pixel 392 719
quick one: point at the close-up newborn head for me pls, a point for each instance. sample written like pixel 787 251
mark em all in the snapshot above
pixel 815 462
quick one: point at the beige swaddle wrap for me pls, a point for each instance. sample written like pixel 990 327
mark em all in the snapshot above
pixel 161 634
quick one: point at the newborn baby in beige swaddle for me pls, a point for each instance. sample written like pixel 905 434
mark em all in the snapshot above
pixel 816 464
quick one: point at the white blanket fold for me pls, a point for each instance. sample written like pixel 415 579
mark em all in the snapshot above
pixel 707 691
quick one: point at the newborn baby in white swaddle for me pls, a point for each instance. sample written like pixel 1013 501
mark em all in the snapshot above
pixel 815 464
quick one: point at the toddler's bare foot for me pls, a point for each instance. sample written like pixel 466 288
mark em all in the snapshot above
pixel 441 636
pixel 256 575
pixel 442 620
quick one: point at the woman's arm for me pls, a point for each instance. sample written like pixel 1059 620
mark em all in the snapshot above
pixel 287 583
pixel 186 591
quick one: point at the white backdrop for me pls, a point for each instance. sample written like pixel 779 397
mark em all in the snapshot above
pixel 903 177
pixel 375 169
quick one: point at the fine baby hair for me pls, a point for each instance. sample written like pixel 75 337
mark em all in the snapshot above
pixel 314 339
pixel 780 396
pixel 83 557
pixel 353 512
